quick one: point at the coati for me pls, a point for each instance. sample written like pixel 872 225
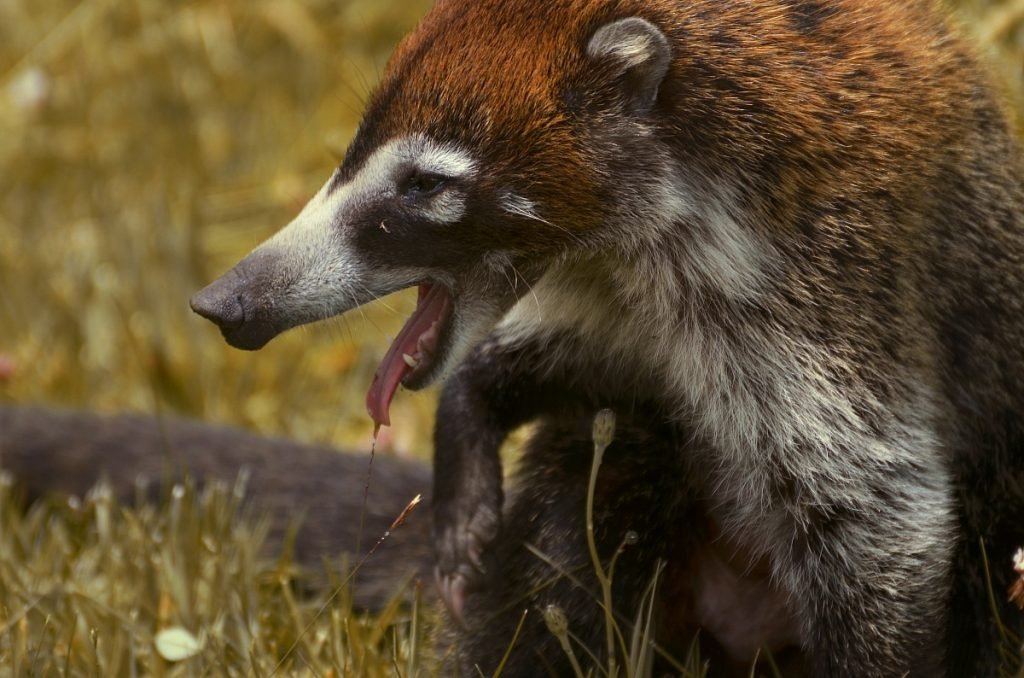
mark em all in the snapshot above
pixel 788 232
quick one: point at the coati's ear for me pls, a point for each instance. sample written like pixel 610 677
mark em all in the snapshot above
pixel 640 51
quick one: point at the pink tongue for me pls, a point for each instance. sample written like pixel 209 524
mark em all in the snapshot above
pixel 429 307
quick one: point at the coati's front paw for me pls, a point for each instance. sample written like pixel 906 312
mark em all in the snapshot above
pixel 464 527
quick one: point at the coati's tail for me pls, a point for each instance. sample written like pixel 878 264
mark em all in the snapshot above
pixel 54 451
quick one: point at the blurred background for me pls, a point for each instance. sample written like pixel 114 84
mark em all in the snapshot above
pixel 145 145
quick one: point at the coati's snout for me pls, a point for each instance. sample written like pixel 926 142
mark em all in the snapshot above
pixel 237 303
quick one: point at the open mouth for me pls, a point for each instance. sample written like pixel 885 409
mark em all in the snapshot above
pixel 415 354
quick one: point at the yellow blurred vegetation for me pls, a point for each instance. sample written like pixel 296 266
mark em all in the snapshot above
pixel 146 145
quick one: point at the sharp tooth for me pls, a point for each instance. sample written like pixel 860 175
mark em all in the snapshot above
pixel 410 361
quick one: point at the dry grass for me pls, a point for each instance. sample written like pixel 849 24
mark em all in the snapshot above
pixel 94 588
pixel 145 145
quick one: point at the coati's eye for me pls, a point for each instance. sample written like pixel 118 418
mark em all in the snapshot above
pixel 423 184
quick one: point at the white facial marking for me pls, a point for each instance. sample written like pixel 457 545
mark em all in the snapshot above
pixel 314 265
pixel 441 159
pixel 447 161
pixel 446 208
pixel 390 164
pixel 519 206
pixel 321 274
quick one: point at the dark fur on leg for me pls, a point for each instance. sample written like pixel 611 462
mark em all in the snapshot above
pixel 542 557
pixel 496 390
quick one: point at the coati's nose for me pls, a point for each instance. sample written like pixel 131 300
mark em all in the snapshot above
pixel 219 303
pixel 242 302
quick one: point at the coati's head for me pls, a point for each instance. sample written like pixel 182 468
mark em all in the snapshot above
pixel 475 166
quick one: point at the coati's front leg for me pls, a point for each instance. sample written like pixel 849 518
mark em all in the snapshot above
pixel 497 389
